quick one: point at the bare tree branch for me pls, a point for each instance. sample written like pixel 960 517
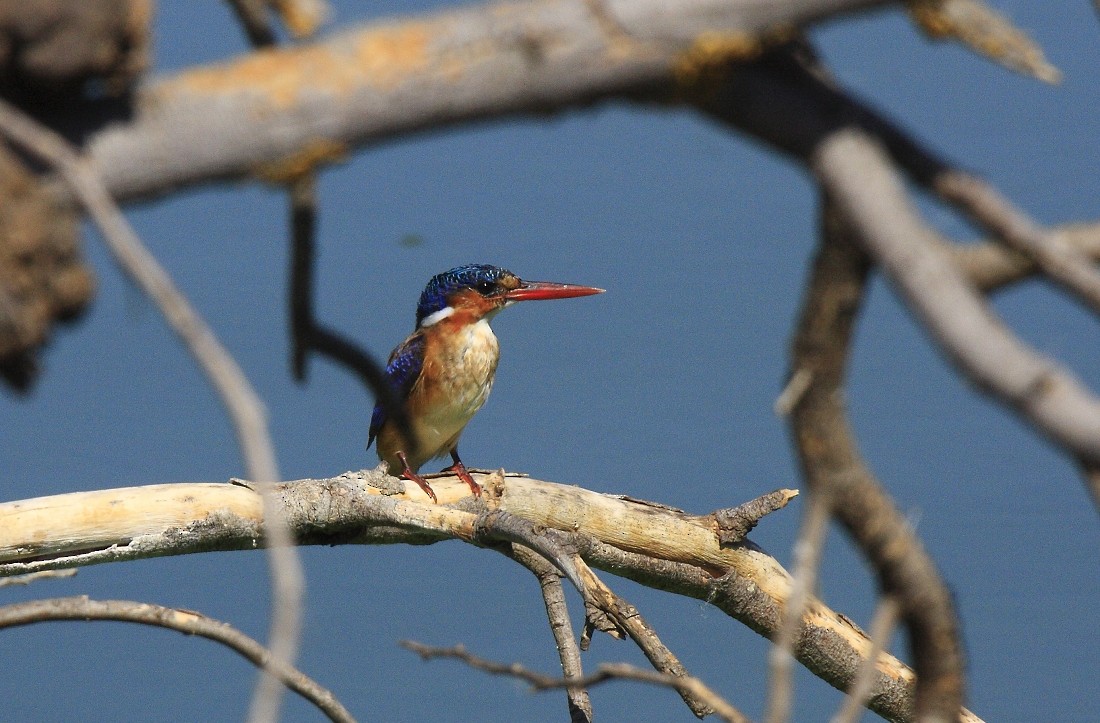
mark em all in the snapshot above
pixel 184 621
pixel 310 104
pixel 649 544
pixel 557 614
pixel 856 171
pixel 1053 254
pixel 985 31
pixel 244 406
pixel 35 576
pixel 687 686
pixel 831 462
pixel 990 266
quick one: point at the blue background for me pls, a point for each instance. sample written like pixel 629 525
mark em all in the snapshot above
pixel 662 389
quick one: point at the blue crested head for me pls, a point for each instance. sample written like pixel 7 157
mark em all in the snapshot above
pixel 482 278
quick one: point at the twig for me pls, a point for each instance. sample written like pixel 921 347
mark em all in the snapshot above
pixel 685 685
pixel 306 333
pixel 882 627
pixel 990 266
pixel 244 406
pixel 1057 258
pixel 807 559
pixel 185 621
pixel 627 618
pixel 557 614
pixel 551 544
pixel 34 576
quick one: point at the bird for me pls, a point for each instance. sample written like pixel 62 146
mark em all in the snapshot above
pixel 444 370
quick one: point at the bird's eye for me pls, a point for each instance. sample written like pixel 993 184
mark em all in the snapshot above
pixel 485 287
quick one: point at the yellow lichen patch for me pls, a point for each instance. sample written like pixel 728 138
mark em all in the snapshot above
pixel 712 50
pixel 317 152
pixel 380 57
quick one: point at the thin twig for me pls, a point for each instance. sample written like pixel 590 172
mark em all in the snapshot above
pixel 882 628
pixel 627 618
pixel 685 685
pixel 255 18
pixel 991 266
pixel 807 559
pixel 1057 258
pixel 245 408
pixel 557 614
pixel 185 621
pixel 34 576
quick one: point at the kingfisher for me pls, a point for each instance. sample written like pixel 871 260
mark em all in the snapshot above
pixel 444 370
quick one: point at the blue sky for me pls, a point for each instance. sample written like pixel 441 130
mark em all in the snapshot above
pixel 661 388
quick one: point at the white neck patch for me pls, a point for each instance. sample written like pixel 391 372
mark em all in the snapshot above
pixel 437 316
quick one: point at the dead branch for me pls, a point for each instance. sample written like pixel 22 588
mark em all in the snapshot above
pixel 652 545
pixel 184 621
pixel 684 685
pixel 272 114
pixel 557 614
pixel 831 463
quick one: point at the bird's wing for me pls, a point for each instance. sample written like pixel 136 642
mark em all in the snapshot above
pixel 402 371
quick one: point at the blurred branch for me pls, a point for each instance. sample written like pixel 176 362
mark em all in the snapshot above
pixel 807 559
pixel 1052 254
pixel 244 406
pixel 786 99
pixel 35 576
pixel 989 266
pixel 882 628
pixel 286 605
pixel 986 32
pixel 831 463
pixel 652 545
pixel 185 621
pixel 857 172
pixel 272 114
pixel 686 686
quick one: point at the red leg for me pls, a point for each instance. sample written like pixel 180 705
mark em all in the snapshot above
pixel 460 469
pixel 414 477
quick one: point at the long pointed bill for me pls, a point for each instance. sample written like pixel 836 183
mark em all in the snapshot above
pixel 537 290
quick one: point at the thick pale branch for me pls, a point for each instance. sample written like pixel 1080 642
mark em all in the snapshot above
pixel 275 113
pixel 652 545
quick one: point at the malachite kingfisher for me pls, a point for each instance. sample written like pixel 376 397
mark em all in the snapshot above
pixel 444 370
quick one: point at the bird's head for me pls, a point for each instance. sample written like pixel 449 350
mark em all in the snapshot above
pixel 479 291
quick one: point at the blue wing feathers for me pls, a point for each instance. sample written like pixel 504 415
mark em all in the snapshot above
pixel 402 371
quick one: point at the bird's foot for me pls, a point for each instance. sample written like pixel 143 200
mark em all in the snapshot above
pixel 423 483
pixel 460 471
pixel 408 474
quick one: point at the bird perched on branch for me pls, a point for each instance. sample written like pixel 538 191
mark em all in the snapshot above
pixel 444 370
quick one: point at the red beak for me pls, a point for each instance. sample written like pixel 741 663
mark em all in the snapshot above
pixel 537 290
